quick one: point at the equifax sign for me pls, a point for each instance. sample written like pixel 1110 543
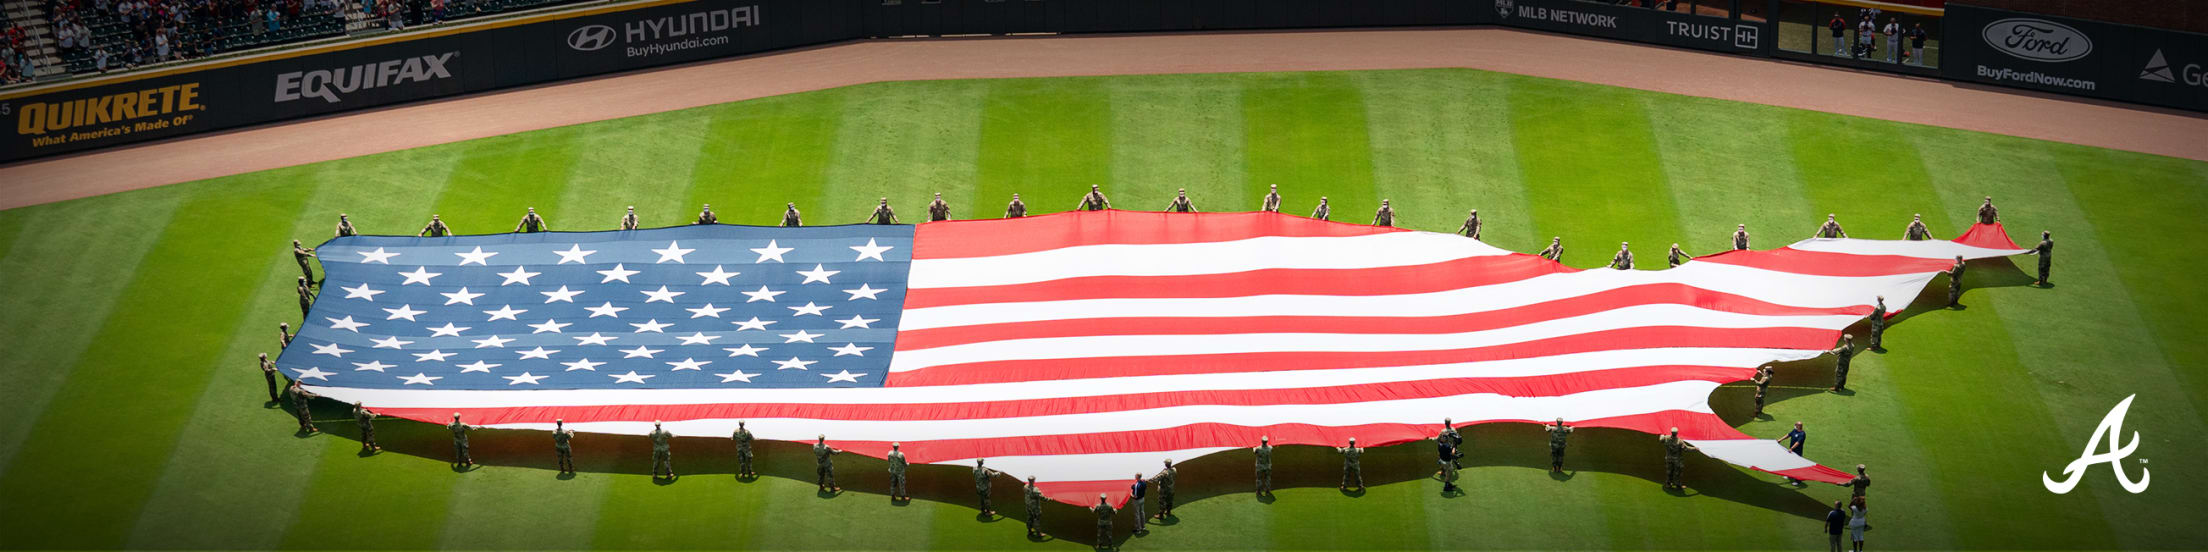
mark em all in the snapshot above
pixel 326 84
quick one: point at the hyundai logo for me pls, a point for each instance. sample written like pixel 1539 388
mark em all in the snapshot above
pixel 590 38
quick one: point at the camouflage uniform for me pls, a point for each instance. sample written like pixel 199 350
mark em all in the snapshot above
pixel 301 254
pixel 883 214
pixel 1104 513
pixel 897 467
pixel 367 421
pixel 1471 228
pixel 1623 260
pixel 1555 251
pixel 938 210
pixel 1878 325
pixel 435 229
pixel 1843 355
pixel 1165 491
pixel 1181 204
pixel 1678 257
pixel 743 451
pixel 283 335
pixel 1448 466
pixel 531 223
pixel 983 483
pixel 302 405
pixel 1916 231
pixel 1015 209
pixel 706 216
pixel 662 457
pixel 2046 252
pixel 824 475
pixel 1034 505
pixel 306 298
pixel 1955 284
pixel 1831 229
pixel 344 227
pixel 1740 239
pixel 1272 201
pixel 1095 201
pixel 1322 212
pixel 1675 451
pixel 562 438
pixel 1385 216
pixel 1859 485
pixel 1351 470
pixel 1558 432
pixel 460 443
pixel 1987 214
pixel 628 221
pixel 790 217
pixel 268 372
pixel 1763 385
pixel 1264 454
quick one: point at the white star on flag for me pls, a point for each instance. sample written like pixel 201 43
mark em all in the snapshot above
pixel 313 373
pixel 448 329
pixel 845 375
pixel 461 296
pixel 819 273
pixel 562 295
pixel 753 324
pixel 673 252
pixel 594 338
pixel 584 364
pixel 794 364
pixel 809 308
pixel 699 338
pixel 432 355
pixel 630 377
pixel 345 323
pixel 687 364
pixel 771 251
pixel 392 342
pixel 478 256
pixel 507 312
pixel 617 273
pixel 763 294
pixel 362 292
pixel 661 295
pixel 549 325
pixel 746 350
pixel 653 326
pixel 518 276
pixel 801 335
pixel 717 276
pixel 864 292
pixel 477 366
pixel 850 349
pixel 539 352
pixel 737 376
pixel 574 254
pixel 640 352
pixel 420 275
pixel 373 365
pixel 378 256
pixel 856 321
pixel 404 311
pixel 421 378
pixel 605 310
pixel 330 349
pixel 492 341
pixel 870 250
pixel 707 310
pixel 523 378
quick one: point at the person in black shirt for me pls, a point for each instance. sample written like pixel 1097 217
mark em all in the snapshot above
pixel 1916 44
pixel 1839 29
pixel 1836 522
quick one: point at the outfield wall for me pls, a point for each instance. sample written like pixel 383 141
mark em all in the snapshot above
pixel 473 58
pixel 2076 56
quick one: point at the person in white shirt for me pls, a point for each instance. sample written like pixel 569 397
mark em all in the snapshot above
pixel 1893 39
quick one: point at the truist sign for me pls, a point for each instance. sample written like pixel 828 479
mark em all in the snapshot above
pixel 2037 39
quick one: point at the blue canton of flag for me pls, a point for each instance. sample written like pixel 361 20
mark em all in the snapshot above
pixel 691 307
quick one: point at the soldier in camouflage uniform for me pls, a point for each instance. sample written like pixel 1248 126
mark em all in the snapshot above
pixel 628 221
pixel 1842 355
pixel 1916 230
pixel 2046 252
pixel 306 297
pixel 1987 214
pixel 662 458
pixel 367 421
pixel 460 455
pixel 1675 451
pixel 1740 237
pixel 743 451
pixel 1165 491
pixel 825 474
pixel 268 372
pixel 897 467
pixel 790 218
pixel 562 439
pixel 1272 200
pixel 1831 228
pixel 1763 385
pixel 344 226
pixel 1181 204
pixel 301 254
pixel 1955 283
pixel 1558 432
pixel 705 215
pixel 1450 436
pixel 1861 483
pixel 531 223
pixel 1449 457
pixel 1351 470
pixel 302 406
pixel 1624 259
pixel 938 210
pixel 1015 209
pixel 1555 251
pixel 435 229
pixel 882 214
pixel 1095 201
pixel 1471 228
pixel 1678 257
pixel 1878 324
pixel 1385 216
pixel 1103 510
pixel 983 482
pixel 283 334
pixel 1034 505
pixel 1322 212
pixel 1264 453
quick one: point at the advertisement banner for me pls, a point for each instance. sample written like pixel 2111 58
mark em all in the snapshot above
pixel 1622 22
pixel 2076 56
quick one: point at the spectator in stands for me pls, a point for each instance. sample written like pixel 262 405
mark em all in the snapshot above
pixel 161 45
pixel 1916 44
pixel 273 25
pixel 99 60
pixel 437 12
pixel 1866 35
pixel 1893 39
pixel 1839 29
pixel 394 13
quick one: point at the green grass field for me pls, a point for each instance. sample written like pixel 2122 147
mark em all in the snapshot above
pixel 131 414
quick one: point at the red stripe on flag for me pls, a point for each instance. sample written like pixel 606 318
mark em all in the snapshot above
pixel 1397 280
pixel 1989 236
pixel 984 238
pixel 1825 263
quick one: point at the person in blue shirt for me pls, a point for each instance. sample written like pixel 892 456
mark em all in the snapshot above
pixel 1794 441
pixel 1135 499
pixel 1836 522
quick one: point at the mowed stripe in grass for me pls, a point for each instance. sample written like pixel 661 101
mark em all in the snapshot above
pixel 1307 132
pixel 1874 173
pixel 1169 133
pixel 758 155
pixel 645 162
pixel 1047 140
pixel 1729 164
pixel 2143 201
pixel 148 365
pixel 1589 164
pixel 904 147
pixel 1441 147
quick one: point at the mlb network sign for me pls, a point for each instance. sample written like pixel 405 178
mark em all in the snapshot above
pixel 653 36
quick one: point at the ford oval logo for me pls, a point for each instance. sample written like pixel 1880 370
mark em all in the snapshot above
pixel 590 37
pixel 2037 40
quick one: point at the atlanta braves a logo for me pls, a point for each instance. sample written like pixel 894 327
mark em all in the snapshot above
pixel 2112 428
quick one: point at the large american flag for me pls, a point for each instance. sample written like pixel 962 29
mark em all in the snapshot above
pixel 1078 347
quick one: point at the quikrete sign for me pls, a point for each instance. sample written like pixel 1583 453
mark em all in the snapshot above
pixel 149 109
